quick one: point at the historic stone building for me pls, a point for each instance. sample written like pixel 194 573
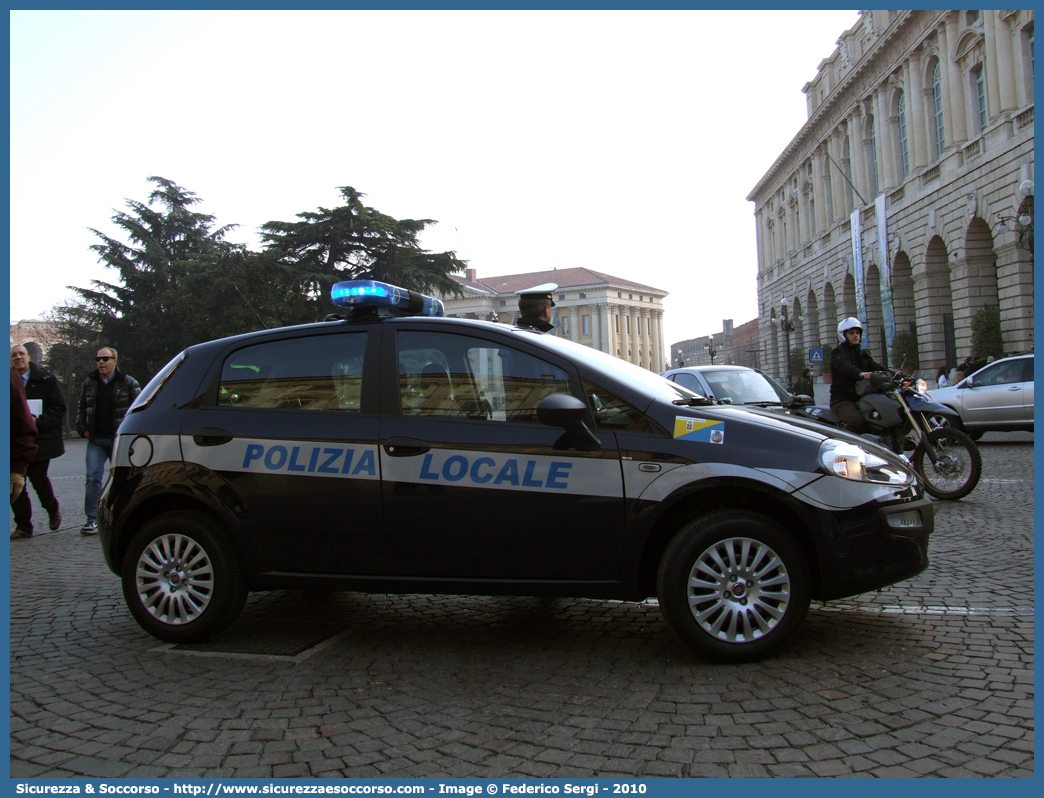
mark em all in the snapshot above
pixel 733 346
pixel 36 335
pixel 906 199
pixel 617 316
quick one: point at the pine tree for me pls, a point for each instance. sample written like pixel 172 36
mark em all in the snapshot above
pixel 356 242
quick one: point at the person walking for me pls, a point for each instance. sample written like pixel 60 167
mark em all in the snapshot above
pixel 803 386
pixel 849 363
pixel 23 436
pixel 42 389
pixel 105 397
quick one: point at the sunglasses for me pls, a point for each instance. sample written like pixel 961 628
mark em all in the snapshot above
pixel 100 359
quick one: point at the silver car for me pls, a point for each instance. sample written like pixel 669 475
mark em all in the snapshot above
pixel 997 398
pixel 736 385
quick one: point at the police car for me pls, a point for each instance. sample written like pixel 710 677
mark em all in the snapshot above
pixel 393 449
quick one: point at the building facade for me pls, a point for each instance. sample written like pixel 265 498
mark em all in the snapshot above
pixel 617 316
pixel 906 199
pixel 36 335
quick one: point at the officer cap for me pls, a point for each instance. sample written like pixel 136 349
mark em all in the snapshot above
pixel 538 292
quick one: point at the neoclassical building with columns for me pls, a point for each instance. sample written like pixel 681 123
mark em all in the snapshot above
pixel 608 313
pixel 906 199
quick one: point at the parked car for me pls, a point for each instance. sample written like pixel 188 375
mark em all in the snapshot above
pixel 996 398
pixel 395 450
pixel 736 385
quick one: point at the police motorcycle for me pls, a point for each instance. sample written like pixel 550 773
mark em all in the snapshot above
pixel 898 412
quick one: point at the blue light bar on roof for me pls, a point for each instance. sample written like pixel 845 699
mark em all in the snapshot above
pixel 358 294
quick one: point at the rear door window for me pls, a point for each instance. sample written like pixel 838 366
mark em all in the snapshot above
pixel 318 373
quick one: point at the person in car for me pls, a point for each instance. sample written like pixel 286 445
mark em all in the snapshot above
pixel 849 363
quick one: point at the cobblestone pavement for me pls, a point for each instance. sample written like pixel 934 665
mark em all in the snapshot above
pixel 933 677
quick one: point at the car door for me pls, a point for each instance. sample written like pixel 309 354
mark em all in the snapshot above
pixel 474 487
pixel 286 437
pixel 996 397
pixel 1027 389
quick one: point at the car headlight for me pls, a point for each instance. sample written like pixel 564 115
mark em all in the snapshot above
pixel 922 387
pixel 846 459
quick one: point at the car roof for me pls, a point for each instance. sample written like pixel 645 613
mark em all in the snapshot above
pixel 709 367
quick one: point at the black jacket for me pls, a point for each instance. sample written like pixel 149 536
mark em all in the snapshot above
pixel 43 385
pixel 127 390
pixel 533 323
pixel 847 362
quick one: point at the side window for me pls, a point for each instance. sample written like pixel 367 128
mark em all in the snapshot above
pixel 612 412
pixel 1027 370
pixel 458 376
pixel 688 381
pixel 1000 374
pixel 319 373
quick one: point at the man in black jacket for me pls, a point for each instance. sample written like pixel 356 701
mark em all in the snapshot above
pixel 105 397
pixel 47 403
pixel 849 363
pixel 534 307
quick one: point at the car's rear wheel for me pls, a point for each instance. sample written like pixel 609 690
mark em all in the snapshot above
pixel 181 578
pixel 733 585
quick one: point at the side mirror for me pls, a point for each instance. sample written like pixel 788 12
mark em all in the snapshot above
pixel 564 410
pixel 969 383
pixel 800 400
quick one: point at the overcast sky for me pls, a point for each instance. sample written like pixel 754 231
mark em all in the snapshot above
pixel 621 141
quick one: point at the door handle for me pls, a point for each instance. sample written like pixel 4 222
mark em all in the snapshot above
pixel 405 447
pixel 211 436
pixel 1015 388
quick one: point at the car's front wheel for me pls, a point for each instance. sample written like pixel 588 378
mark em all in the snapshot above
pixel 733 585
pixel 181 578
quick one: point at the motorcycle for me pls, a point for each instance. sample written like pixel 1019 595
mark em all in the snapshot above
pixel 900 414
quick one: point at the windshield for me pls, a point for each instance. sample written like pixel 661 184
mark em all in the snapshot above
pixel 744 387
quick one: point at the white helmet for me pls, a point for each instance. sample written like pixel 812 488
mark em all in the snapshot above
pixel 851 323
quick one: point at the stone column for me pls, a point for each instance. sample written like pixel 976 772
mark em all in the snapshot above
pixel 858 144
pixel 805 229
pixel 657 326
pixel 956 88
pixel 993 68
pixel 837 182
pixel 819 188
pixel 636 338
pixel 605 330
pixel 917 132
pixel 886 130
pixel 761 226
pixel 1005 63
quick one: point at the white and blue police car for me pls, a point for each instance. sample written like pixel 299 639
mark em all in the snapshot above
pixel 393 449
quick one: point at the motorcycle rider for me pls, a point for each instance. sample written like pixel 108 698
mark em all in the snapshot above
pixel 849 363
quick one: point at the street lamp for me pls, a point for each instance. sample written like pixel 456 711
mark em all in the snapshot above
pixel 711 351
pixel 681 362
pixel 1022 224
pixel 787 326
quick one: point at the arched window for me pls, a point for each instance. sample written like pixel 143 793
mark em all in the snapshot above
pixel 937 110
pixel 873 155
pixel 904 143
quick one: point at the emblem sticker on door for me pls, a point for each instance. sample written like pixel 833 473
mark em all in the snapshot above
pixel 699 429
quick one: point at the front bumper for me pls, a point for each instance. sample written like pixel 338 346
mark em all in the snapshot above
pixel 874 546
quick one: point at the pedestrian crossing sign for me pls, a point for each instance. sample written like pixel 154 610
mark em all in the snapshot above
pixel 815 355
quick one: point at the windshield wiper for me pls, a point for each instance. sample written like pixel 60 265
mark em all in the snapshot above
pixel 765 403
pixel 695 401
